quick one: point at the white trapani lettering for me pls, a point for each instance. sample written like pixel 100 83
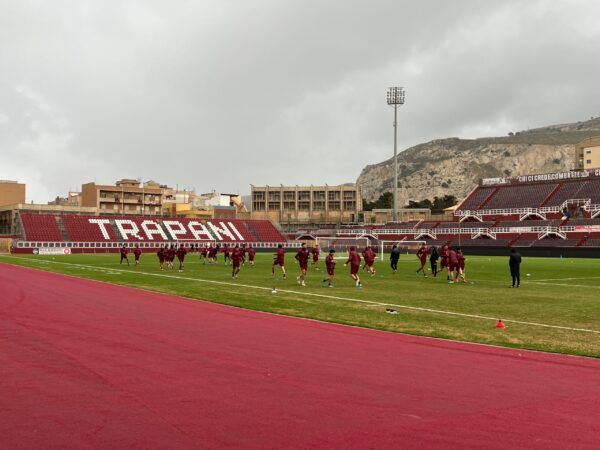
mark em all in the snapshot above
pixel 132 229
pixel 199 231
pixel 151 228
pixel 232 226
pixel 102 225
pixel 222 230
pixel 175 232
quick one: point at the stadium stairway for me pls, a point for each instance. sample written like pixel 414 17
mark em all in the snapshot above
pixel 62 229
pixel 117 232
pixel 252 232
pixel 489 198
pixel 551 194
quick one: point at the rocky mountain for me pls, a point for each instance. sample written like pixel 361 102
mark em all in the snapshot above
pixel 454 166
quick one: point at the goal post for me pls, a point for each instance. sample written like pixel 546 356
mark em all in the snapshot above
pixel 404 246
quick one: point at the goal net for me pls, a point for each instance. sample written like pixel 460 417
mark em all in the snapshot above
pixel 342 245
pixel 404 246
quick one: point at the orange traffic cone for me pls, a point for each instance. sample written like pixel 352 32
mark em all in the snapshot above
pixel 500 324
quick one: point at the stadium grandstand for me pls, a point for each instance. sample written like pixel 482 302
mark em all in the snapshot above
pixel 548 211
pixel 93 233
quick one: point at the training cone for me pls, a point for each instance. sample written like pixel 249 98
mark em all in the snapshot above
pixel 500 324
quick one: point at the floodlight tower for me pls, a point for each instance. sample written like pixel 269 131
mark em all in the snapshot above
pixel 395 97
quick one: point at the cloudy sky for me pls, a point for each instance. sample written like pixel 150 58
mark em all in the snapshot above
pixel 220 94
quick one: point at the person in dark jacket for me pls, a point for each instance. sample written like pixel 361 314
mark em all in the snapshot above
pixel 394 257
pixel 514 263
pixel 433 259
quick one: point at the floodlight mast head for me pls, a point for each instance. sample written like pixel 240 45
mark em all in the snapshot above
pixel 395 96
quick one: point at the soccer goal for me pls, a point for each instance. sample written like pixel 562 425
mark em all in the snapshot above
pixel 342 244
pixel 404 246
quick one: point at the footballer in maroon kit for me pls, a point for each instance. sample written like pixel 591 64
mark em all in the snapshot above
pixel 236 261
pixel 279 260
pixel 243 253
pixel 136 254
pixel 460 272
pixel 170 256
pixel 226 254
pixel 181 252
pixel 302 257
pixel 369 257
pixel 161 256
pixel 315 255
pixel 422 255
pixel 354 261
pixel 124 251
pixel 445 263
pixel 330 266
pixel 251 253
pixel 452 264
pixel 203 254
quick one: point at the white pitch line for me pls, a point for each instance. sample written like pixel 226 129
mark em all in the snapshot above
pixel 311 294
pixel 568 279
pixel 564 284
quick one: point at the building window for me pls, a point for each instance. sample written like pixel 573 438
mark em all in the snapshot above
pixel 589 161
pixel 274 197
pixel 319 205
pixel 274 206
pixel 588 152
pixel 319 195
pixel 304 196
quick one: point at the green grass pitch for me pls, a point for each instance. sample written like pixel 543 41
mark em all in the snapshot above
pixel 557 308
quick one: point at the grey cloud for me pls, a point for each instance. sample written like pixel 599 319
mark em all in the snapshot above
pixel 221 94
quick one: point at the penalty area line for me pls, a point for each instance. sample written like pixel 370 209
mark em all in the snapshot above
pixel 333 297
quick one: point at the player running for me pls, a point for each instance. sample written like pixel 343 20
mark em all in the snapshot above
pixel 203 254
pixel 226 254
pixel 422 255
pixel 315 255
pixel 124 251
pixel 369 257
pixel 452 265
pixel 236 261
pixel 445 263
pixel 161 256
pixel 251 253
pixel 461 266
pixel 302 257
pixel 279 261
pixel 354 261
pixel 170 256
pixel 137 252
pixel 330 266
pixel 243 253
pixel 181 252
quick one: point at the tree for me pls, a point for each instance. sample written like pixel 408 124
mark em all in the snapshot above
pixel 437 206
pixel 385 201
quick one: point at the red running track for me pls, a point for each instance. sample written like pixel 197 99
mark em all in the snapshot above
pixel 91 365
